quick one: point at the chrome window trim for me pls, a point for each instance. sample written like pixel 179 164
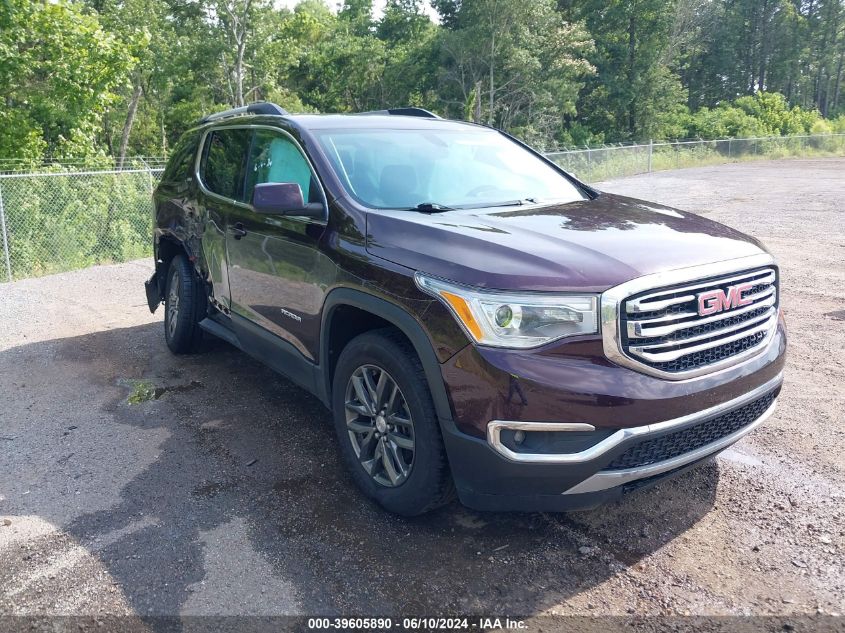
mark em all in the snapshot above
pixel 494 429
pixel 612 299
pixel 606 479
pixel 246 205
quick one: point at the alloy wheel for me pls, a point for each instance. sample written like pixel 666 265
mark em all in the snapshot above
pixel 173 304
pixel 380 425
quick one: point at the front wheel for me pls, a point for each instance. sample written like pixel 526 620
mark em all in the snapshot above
pixel 184 307
pixel 386 425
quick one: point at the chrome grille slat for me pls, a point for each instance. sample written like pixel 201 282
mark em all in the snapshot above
pixel 654 304
pixel 661 329
pixel 641 329
pixel 645 351
pixel 637 306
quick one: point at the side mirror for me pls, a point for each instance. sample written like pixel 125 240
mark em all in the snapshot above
pixel 283 198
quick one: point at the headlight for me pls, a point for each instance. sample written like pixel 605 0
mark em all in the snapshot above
pixel 524 320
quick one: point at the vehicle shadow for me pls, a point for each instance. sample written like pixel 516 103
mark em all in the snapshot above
pixel 221 491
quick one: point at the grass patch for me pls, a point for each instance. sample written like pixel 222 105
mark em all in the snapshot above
pixel 142 391
pixel 606 163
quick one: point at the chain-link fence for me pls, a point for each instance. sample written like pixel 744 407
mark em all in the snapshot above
pixel 594 164
pixel 52 222
pixel 93 163
pixel 92 213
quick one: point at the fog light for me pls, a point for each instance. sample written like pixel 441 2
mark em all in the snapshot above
pixel 519 437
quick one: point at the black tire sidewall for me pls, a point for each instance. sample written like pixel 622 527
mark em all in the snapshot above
pixel 422 489
pixel 187 334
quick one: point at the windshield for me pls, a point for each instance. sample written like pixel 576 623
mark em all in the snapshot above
pixel 472 168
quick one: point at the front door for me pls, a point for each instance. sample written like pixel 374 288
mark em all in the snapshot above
pixel 277 274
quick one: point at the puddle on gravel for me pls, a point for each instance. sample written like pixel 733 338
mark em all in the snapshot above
pixel 733 455
pixel 144 390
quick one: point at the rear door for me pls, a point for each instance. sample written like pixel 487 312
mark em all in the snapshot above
pixel 277 273
pixel 221 171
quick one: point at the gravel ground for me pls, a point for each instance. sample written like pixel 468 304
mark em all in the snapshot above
pixel 225 495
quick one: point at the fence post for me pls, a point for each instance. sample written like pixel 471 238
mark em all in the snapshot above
pixel 729 147
pixel 5 238
pixel 149 174
pixel 650 153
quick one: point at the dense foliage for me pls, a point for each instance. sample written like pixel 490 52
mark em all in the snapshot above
pixel 87 78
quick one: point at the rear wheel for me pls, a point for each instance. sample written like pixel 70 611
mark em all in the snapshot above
pixel 184 307
pixel 384 417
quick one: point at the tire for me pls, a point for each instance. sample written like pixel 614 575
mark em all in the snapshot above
pixel 184 307
pixel 427 483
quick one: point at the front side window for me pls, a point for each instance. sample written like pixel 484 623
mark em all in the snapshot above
pixel 457 168
pixel 222 166
pixel 275 158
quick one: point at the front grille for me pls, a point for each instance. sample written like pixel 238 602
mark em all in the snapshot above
pixel 711 355
pixel 659 449
pixel 662 328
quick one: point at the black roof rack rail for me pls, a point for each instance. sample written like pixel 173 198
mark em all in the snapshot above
pixel 409 111
pixel 263 107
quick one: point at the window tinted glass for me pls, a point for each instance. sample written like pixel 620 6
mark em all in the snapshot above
pixel 181 163
pixel 274 158
pixel 223 162
pixel 399 169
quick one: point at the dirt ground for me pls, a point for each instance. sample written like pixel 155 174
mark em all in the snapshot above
pixel 224 493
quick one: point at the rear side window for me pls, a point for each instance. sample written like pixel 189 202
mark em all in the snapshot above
pixel 222 167
pixel 275 158
pixel 180 167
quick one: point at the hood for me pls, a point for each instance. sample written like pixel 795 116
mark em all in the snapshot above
pixel 589 245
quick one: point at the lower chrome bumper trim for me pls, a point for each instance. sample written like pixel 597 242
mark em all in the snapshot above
pixel 611 478
pixel 494 430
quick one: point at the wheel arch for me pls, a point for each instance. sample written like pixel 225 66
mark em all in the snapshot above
pixel 388 315
pixel 166 248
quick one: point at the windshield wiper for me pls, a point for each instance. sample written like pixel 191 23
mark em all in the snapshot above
pixel 431 207
pixel 506 203
pixel 514 203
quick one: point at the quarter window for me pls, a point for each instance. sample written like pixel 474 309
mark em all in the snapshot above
pixel 222 166
pixel 181 163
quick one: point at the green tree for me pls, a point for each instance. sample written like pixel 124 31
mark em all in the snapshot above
pixel 59 71
pixel 404 22
pixel 113 78
pixel 634 94
pixel 357 17
pixel 518 62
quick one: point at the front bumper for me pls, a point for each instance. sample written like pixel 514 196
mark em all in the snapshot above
pixel 490 475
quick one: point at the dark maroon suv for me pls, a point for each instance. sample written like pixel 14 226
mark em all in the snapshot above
pixel 480 322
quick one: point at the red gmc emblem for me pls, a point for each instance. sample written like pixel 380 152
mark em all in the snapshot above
pixel 718 300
